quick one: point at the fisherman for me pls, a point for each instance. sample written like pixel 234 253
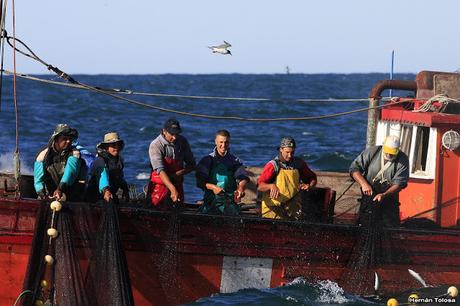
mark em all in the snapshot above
pixel 58 167
pixel 282 182
pixel 168 153
pixel 382 172
pixel 223 178
pixel 106 173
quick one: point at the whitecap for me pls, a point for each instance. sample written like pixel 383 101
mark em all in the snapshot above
pixel 331 292
pixel 297 281
pixel 143 176
pixel 6 164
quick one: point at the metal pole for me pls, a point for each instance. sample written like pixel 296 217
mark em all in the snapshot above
pixel 392 68
pixel 372 122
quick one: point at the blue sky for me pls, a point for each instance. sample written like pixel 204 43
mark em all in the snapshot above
pixel 150 37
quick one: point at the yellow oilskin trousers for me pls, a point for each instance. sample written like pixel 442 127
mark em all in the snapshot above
pixel 287 205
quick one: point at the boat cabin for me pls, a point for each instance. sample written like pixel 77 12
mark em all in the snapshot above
pixel 428 126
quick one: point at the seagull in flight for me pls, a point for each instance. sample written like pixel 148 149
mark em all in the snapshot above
pixel 221 49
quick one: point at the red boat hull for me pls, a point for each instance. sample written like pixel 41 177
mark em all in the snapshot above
pixel 209 254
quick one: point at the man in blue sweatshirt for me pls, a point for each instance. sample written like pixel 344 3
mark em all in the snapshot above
pixel 57 167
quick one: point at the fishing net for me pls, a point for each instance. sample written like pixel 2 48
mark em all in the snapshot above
pixel 169 257
pixel 89 266
pixel 108 280
pixel 373 247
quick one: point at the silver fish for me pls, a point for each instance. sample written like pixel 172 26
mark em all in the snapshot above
pixel 417 277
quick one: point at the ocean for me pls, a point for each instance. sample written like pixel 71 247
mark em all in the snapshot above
pixel 327 144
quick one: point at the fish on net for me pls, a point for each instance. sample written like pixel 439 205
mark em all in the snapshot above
pixel 78 276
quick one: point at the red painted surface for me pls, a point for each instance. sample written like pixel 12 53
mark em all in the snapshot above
pixel 417 197
pixel 449 185
pixel 441 195
pixel 423 119
pixel 194 268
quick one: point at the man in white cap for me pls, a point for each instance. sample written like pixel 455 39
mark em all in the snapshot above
pixel 382 172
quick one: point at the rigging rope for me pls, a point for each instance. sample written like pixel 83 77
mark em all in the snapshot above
pixel 178 96
pixel 114 93
pixel 439 107
pixel 2 45
pixel 163 109
pixel 17 168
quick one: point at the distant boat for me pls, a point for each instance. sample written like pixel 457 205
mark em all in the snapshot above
pixel 288 71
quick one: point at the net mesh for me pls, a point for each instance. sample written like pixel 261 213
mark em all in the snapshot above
pixel 373 247
pixel 89 262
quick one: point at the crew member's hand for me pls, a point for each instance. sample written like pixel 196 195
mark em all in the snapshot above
pixel 41 195
pixel 107 195
pixel 274 191
pixel 238 195
pixel 366 188
pixel 179 173
pixel 216 189
pixel 379 197
pixel 57 194
pixel 174 195
pixel 305 187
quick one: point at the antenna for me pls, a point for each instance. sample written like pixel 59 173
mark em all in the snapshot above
pixel 392 68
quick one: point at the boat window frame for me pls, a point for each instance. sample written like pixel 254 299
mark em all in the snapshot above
pixel 385 128
pixel 430 162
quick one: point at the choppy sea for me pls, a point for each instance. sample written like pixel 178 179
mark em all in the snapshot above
pixel 327 144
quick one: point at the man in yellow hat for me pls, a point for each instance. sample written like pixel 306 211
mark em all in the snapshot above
pixel 382 172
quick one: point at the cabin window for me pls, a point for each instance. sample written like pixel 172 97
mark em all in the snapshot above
pixel 406 138
pixel 423 152
pixel 418 142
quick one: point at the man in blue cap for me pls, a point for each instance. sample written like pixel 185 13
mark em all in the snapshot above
pixel 171 159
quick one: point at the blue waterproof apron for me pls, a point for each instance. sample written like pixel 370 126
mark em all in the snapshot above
pixel 222 203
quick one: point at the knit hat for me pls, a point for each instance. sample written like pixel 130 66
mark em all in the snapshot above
pixel 111 138
pixel 391 145
pixel 287 142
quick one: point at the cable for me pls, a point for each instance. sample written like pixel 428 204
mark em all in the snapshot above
pixel 306 118
pixel 178 96
pixel 2 45
pixel 163 109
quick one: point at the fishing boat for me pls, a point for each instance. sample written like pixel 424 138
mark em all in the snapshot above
pixel 179 256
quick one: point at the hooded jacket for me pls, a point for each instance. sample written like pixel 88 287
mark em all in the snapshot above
pixel 54 169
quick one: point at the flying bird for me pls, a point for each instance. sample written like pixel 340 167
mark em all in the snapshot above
pixel 221 49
